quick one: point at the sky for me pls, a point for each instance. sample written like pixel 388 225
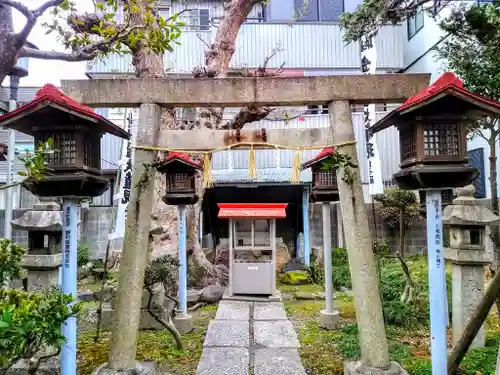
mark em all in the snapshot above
pixel 44 71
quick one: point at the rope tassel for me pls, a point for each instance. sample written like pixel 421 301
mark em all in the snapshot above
pixel 296 168
pixel 207 172
pixel 252 168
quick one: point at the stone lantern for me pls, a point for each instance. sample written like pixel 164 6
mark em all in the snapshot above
pixel 180 172
pixel 76 132
pixel 470 250
pixel 43 258
pixel 324 182
pixel 432 134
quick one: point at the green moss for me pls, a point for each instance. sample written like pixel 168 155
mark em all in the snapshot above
pixel 295 278
pixel 157 346
pixel 324 352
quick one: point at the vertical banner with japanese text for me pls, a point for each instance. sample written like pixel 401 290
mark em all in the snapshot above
pixel 369 66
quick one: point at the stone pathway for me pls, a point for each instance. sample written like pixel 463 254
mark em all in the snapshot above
pixel 250 338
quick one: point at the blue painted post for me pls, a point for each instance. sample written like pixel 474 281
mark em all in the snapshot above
pixel 69 269
pixel 437 294
pixel 182 260
pixel 305 220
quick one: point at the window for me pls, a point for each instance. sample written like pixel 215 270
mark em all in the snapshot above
pixel 415 23
pixel 252 233
pixel 318 10
pixel 196 19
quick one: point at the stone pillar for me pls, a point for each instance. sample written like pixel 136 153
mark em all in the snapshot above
pixel 370 319
pixel 43 258
pixel 471 248
pixel 134 258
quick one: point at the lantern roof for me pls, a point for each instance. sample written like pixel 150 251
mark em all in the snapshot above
pixel 180 158
pixel 446 86
pixel 252 210
pixel 50 101
pixel 326 153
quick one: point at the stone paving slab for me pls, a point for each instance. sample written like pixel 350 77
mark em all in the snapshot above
pixel 233 333
pixel 277 361
pixel 232 310
pixel 224 361
pixel 269 311
pixel 275 334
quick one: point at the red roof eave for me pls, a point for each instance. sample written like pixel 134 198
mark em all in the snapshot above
pixel 183 158
pixel 252 210
pixel 325 153
pixel 448 83
pixel 50 94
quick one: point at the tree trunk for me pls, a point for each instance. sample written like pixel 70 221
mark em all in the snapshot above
pixel 8 49
pixel 164 228
pixel 474 324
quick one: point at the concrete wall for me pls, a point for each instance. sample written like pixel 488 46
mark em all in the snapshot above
pixel 96 223
pixel 416 237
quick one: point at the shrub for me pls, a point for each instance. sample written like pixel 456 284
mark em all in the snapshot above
pixel 392 284
pixel 11 255
pixel 341 275
pixel 82 254
pixel 29 321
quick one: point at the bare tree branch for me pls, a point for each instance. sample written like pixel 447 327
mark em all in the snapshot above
pixel 31 17
pixel 21 8
pixel 54 55
pixel 247 115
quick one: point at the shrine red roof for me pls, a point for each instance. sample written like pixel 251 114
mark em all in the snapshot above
pixel 180 157
pixel 324 154
pixel 446 85
pixel 252 210
pixel 49 95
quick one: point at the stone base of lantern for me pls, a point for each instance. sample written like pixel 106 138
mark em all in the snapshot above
pixel 141 368
pixel 184 323
pixel 356 368
pixel 329 320
pixel 49 367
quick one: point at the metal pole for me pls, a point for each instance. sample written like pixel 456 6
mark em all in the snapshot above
pixel 327 249
pixel 69 242
pixel 305 221
pixel 11 154
pixel 437 294
pixel 182 260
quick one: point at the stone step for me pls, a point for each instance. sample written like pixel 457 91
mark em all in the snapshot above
pixel 250 337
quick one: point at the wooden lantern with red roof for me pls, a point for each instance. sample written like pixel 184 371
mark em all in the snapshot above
pixel 76 131
pixel 324 181
pixel 432 134
pixel 180 172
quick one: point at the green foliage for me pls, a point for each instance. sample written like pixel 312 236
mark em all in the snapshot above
pixel 348 342
pixel 471 51
pixel 92 36
pixel 11 255
pixel 30 321
pixel 82 254
pixel 418 366
pixel 392 284
pixel 393 200
pixel 315 273
pixel 339 161
pixel 35 163
pixel 162 270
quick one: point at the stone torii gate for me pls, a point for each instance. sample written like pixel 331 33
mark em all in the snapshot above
pixel 339 92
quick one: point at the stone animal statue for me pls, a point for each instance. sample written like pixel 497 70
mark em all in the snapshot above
pixel 209 295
